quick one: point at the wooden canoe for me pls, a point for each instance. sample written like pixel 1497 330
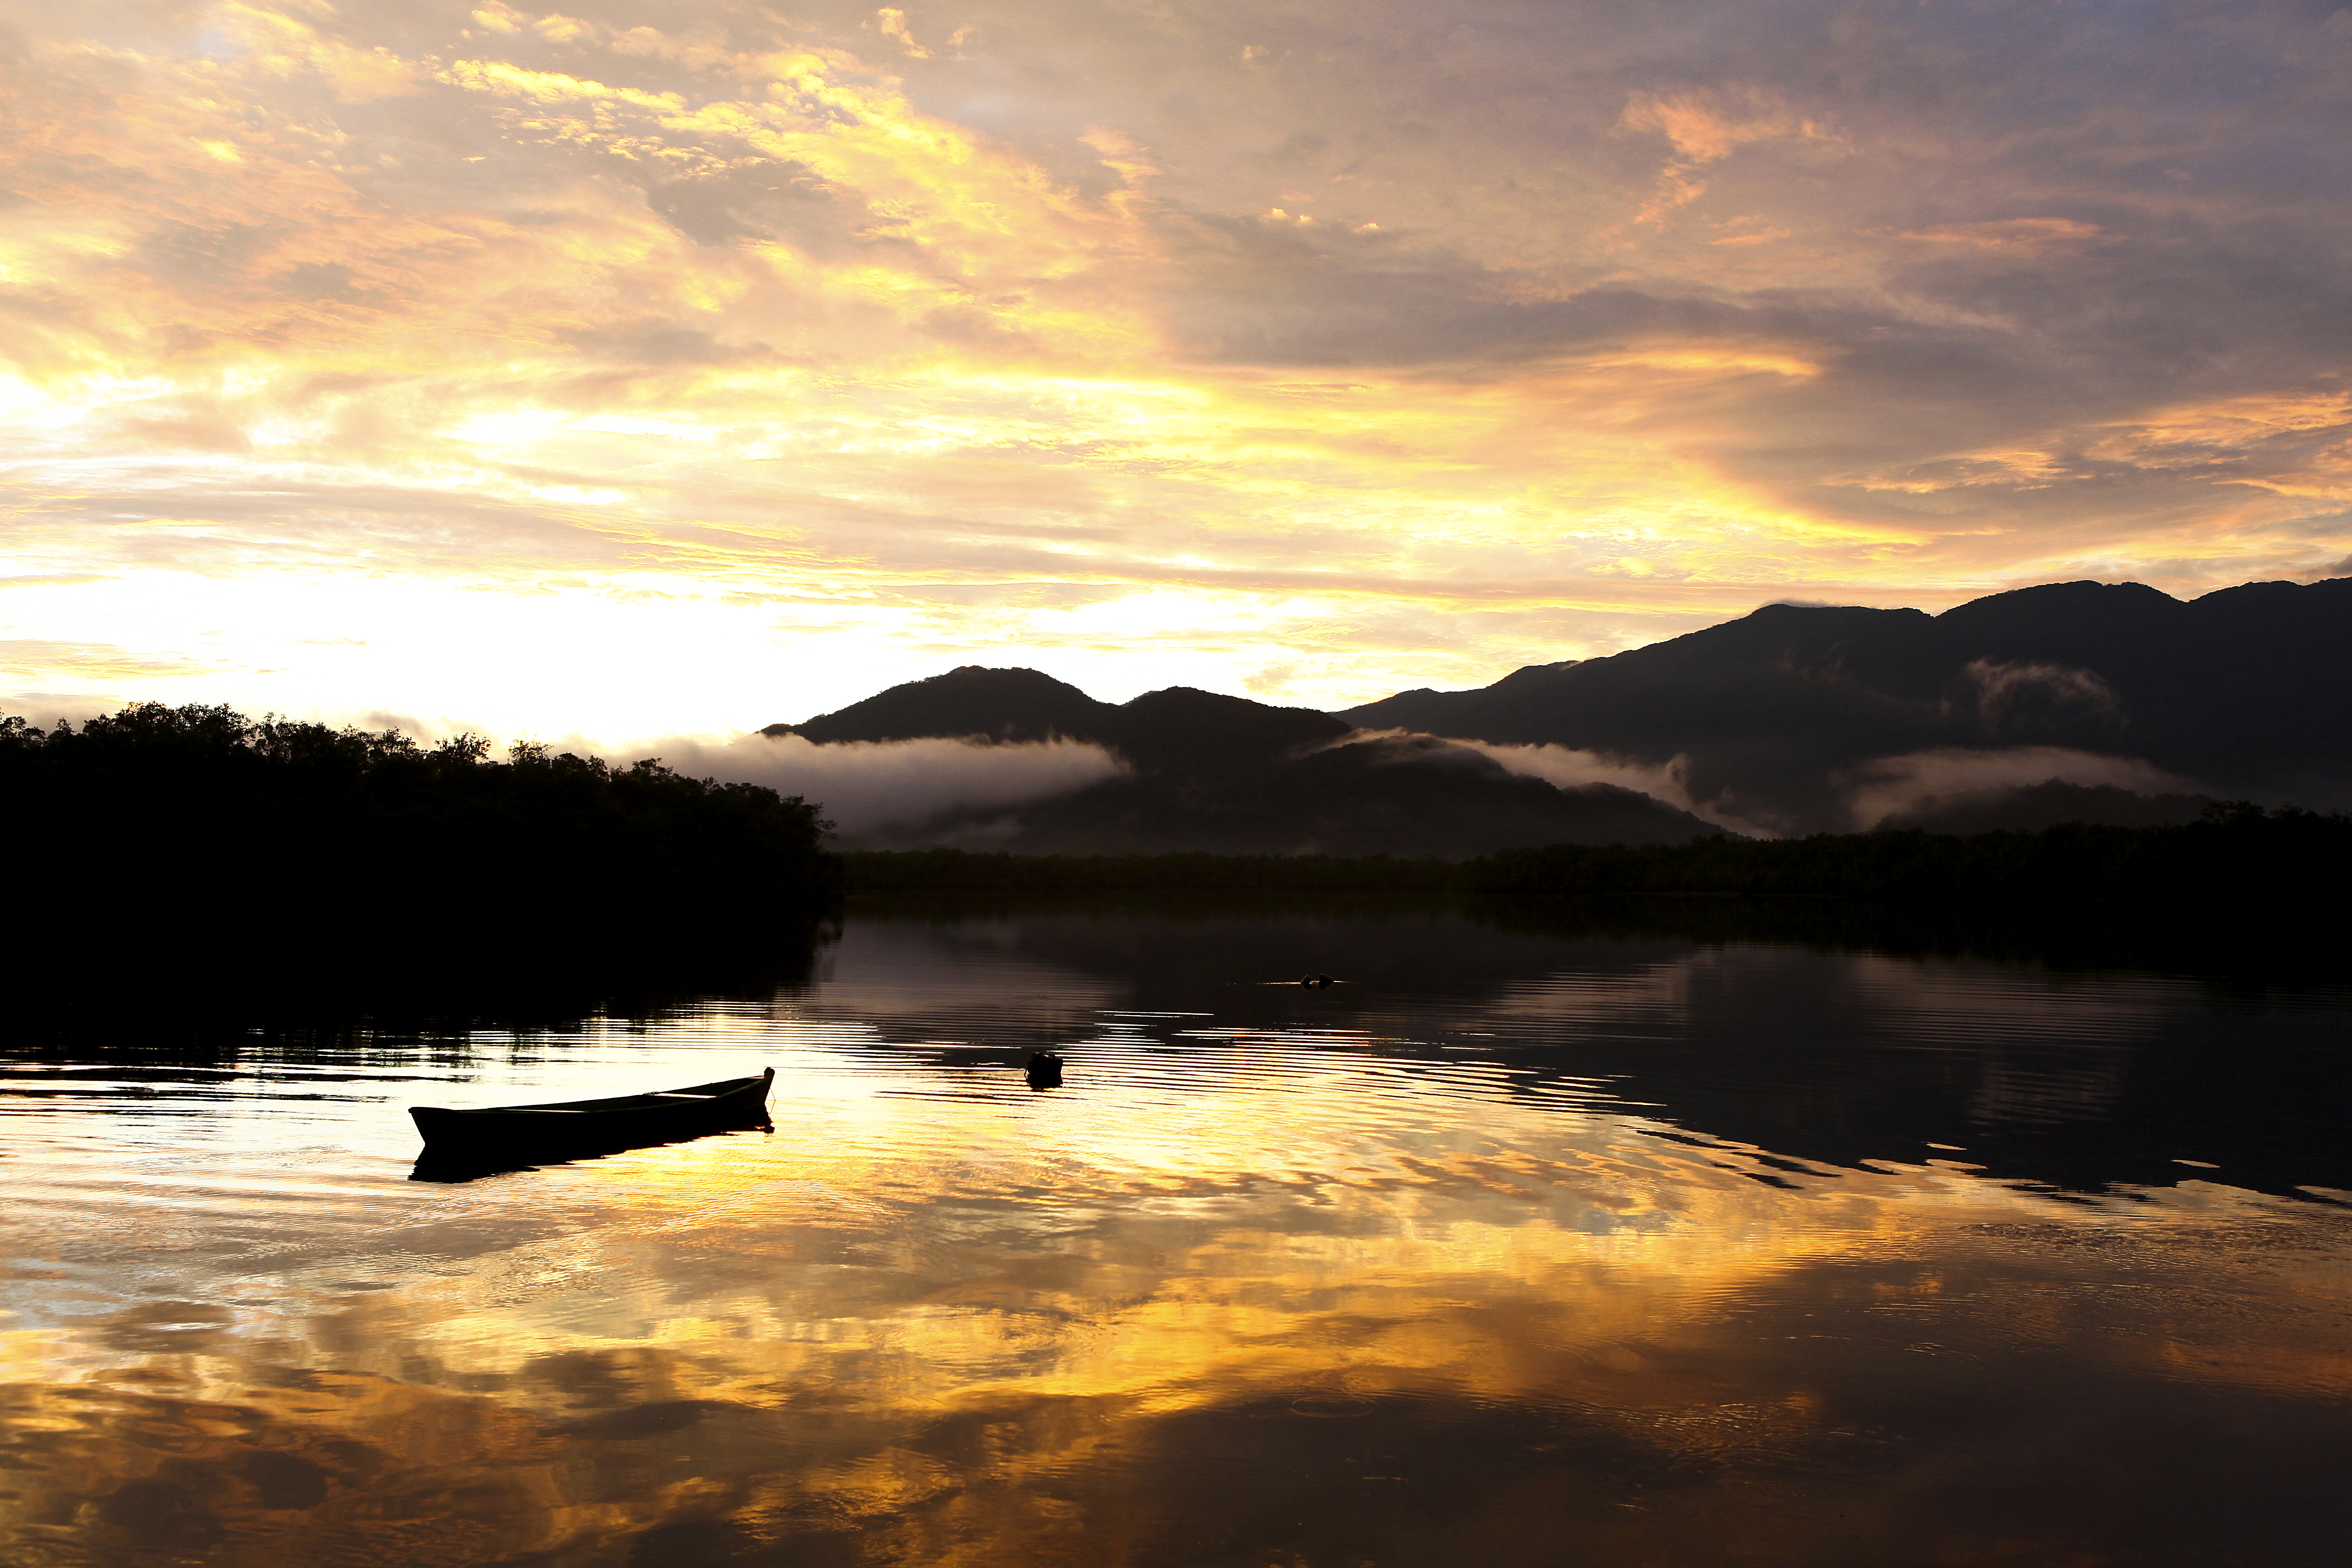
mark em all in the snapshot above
pixel 517 1134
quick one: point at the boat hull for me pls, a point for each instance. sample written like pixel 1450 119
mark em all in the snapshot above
pixel 507 1137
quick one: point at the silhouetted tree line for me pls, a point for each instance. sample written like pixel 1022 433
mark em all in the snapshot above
pixel 2237 853
pixel 961 871
pixel 2238 858
pixel 159 830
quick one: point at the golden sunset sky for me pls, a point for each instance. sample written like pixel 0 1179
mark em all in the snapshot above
pixel 646 368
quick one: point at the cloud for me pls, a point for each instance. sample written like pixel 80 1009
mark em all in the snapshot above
pixel 2018 697
pixel 1566 767
pixel 1706 126
pixel 37 657
pixel 871 787
pixel 1582 324
pixel 2018 236
pixel 1891 786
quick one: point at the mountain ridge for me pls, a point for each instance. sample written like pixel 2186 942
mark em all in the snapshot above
pixel 2246 689
pixel 1225 774
pixel 1788 718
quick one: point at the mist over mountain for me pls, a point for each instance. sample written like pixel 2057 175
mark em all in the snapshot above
pixel 2029 808
pixel 1223 774
pixel 2072 701
pixel 1797 718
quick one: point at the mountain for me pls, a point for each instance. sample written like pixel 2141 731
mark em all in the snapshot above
pixel 987 704
pixel 1227 775
pixel 1176 730
pixel 2247 690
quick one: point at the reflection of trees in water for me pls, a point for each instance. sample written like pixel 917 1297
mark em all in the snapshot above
pixel 388 992
pixel 1776 1026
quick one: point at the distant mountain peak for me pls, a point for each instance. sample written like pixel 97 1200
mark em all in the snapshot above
pixel 1217 773
pixel 1768 719
pixel 2244 689
pixel 971 701
pixel 1176 727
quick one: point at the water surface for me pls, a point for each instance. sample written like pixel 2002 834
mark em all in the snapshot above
pixel 1512 1246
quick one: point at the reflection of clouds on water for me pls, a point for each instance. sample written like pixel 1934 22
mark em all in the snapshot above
pixel 900 971
pixel 2075 1031
pixel 1920 1002
pixel 2043 1048
pixel 1954 1002
pixel 1487 1310
pixel 1414 1257
pixel 1651 996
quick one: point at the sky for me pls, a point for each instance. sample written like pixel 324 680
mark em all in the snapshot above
pixel 684 367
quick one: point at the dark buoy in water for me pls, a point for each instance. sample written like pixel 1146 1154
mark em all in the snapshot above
pixel 1322 980
pixel 1306 980
pixel 1042 1069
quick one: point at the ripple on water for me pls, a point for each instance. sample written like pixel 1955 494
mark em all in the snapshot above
pixel 1688 1243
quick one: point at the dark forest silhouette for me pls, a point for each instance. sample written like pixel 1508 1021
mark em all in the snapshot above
pixel 290 875
pixel 2237 860
pixel 2244 892
pixel 184 847
pixel 2237 854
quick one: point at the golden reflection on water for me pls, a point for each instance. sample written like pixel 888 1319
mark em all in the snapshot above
pixel 1240 1293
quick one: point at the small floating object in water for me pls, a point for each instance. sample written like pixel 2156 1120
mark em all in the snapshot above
pixel 1044 1070
pixel 511 1137
pixel 1315 981
pixel 1322 980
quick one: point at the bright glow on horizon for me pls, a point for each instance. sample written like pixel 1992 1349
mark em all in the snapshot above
pixel 647 370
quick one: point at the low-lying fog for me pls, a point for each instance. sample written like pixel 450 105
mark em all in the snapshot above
pixel 876 791
pixel 867 786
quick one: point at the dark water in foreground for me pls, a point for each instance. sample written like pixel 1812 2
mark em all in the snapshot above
pixel 1512 1248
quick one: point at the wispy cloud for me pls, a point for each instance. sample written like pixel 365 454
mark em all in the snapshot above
pixel 33 658
pixel 869 788
pixel 1893 785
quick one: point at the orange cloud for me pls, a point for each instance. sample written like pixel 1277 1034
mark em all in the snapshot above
pixel 499 304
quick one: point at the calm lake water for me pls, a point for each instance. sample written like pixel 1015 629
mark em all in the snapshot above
pixel 1514 1247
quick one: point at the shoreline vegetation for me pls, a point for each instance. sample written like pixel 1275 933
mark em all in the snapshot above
pixel 200 807
pixel 2230 899
pixel 155 812
pixel 204 801
pixel 2237 852
pixel 194 852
